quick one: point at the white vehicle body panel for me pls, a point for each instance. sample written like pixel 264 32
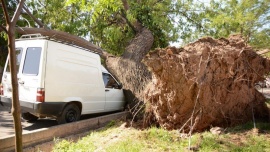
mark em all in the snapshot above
pixel 76 72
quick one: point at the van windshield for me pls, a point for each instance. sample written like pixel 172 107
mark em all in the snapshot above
pixel 18 60
pixel 32 61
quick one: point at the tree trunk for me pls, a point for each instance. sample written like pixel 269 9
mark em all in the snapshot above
pixel 16 109
pixel 129 69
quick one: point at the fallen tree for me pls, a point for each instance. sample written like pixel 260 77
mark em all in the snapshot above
pixel 206 83
pixel 207 72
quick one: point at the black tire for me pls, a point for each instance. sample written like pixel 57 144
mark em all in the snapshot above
pixel 71 113
pixel 29 117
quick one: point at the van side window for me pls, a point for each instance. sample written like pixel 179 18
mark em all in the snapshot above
pixel 109 81
pixel 32 61
pixel 18 59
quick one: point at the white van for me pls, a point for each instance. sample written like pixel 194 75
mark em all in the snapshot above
pixel 60 81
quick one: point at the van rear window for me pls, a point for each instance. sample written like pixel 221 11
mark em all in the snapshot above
pixel 32 61
pixel 18 60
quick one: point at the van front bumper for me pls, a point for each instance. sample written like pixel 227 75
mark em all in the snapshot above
pixel 48 109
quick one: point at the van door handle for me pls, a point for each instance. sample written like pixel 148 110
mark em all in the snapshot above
pixel 107 90
pixel 21 82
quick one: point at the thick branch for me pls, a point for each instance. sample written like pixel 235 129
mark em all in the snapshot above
pixel 123 14
pixel 31 15
pixel 125 4
pixel 4 6
pixel 2 28
pixel 190 19
pixel 137 26
pixel 17 13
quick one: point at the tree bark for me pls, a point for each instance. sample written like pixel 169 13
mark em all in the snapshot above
pixel 16 109
pixel 129 68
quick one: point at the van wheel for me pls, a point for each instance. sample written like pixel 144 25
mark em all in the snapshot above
pixel 71 113
pixel 29 117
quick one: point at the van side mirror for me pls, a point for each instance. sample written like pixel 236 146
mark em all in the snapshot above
pixel 120 86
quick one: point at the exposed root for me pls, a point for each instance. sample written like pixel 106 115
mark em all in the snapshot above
pixel 207 83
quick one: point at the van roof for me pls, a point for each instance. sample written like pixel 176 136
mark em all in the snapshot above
pixel 39 36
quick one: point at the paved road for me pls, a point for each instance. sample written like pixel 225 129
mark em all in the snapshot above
pixel 6 123
pixel 7 129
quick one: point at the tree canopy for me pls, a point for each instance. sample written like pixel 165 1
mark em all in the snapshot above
pixel 109 25
pixel 251 18
pixel 11 6
pixel 113 26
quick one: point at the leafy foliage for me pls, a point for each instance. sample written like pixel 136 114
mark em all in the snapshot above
pixel 247 17
pixel 23 21
pixel 108 24
pixel 3 50
pixel 113 26
pixel 56 15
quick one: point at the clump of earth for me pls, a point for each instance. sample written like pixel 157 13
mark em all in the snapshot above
pixel 208 83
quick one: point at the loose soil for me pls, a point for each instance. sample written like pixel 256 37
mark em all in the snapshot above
pixel 208 83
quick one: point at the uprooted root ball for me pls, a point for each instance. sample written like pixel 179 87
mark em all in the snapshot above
pixel 206 83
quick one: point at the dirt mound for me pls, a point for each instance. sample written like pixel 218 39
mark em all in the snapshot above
pixel 206 83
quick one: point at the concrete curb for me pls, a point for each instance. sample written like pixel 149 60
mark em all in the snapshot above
pixel 48 134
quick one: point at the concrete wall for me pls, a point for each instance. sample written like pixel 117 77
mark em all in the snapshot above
pixel 49 134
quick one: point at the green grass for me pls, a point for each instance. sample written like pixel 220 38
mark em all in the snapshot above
pixel 116 138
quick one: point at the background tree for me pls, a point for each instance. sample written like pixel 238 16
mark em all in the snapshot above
pixel 251 18
pixel 23 21
pixel 55 15
pixel 3 37
pixel 10 30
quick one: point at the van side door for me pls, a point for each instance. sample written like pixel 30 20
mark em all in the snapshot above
pixel 113 92
pixel 6 81
pixel 29 76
